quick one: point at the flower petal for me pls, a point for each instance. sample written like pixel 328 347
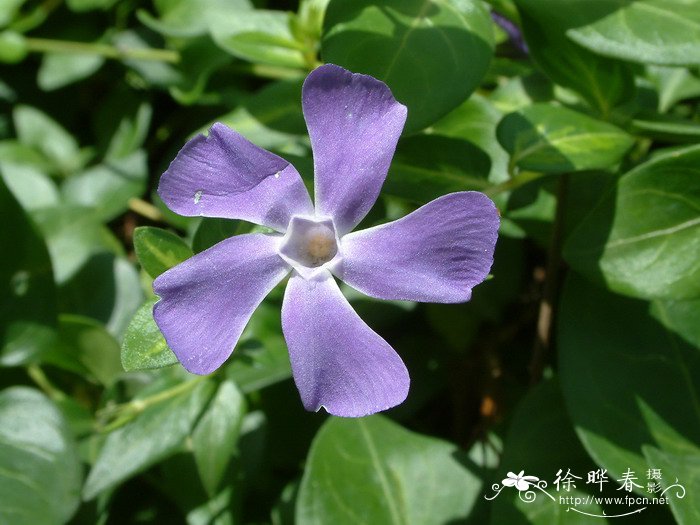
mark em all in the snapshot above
pixel 206 301
pixel 338 361
pixel 354 123
pixel 437 253
pixel 225 175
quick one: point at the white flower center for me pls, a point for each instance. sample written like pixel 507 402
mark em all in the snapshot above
pixel 309 244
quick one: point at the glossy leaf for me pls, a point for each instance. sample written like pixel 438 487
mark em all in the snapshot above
pixel 214 439
pixel 371 470
pixel 159 250
pixel 27 290
pixel 154 434
pixel 40 471
pixel 259 36
pixel 553 139
pixel 602 82
pixel 643 238
pixel 683 317
pixel 189 18
pixel 431 53
pixel 624 377
pixel 678 470
pixel 144 346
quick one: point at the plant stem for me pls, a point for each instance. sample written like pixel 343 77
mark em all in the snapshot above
pixel 145 209
pixel 37 375
pixel 514 182
pixel 543 335
pixel 44 45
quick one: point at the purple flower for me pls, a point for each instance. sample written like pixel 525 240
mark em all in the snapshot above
pixel 437 253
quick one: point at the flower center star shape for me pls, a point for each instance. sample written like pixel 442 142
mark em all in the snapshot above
pixel 437 253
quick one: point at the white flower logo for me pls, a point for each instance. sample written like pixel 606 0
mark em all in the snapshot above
pixel 519 481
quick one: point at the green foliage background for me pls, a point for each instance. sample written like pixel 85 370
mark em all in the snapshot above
pixel 581 352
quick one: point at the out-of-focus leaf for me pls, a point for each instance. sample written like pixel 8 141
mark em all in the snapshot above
pixel 15 152
pixel 553 139
pixel 683 317
pixel 215 436
pixel 154 434
pixel 475 120
pixel 130 133
pixel 32 188
pixel 108 187
pixel 8 9
pixel 35 128
pixel 371 470
pixel 259 36
pixel 677 470
pixel 200 58
pixel 107 289
pixel 428 166
pixel 624 377
pixel 159 250
pixel 603 82
pixel 86 348
pixel 674 84
pixel 144 346
pixel 89 5
pixel 61 69
pixel 13 47
pixel 73 234
pixel 418 47
pixel 189 18
pixel 643 238
pixel 645 31
pixel 152 72
pixel 40 472
pixel 665 128
pixel 541 441
pixel 27 290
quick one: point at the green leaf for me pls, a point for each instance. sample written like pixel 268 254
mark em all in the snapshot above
pixel 475 120
pixel 432 53
pixel 259 36
pixel 371 470
pixel 73 235
pixel 80 6
pixel 213 230
pixel 624 377
pixel 644 31
pixel 541 441
pixel 159 250
pixel 32 188
pixel 678 470
pixel 86 348
pixel 157 432
pixel 189 18
pixel 38 130
pixel 428 166
pixel 8 9
pixel 553 139
pixel 643 238
pixel 216 434
pixel 107 289
pixel 602 82
pixel 131 133
pixel 13 47
pixel 108 187
pixel 260 358
pixel 683 317
pixel 61 69
pixel 674 84
pixel 40 471
pixel 27 290
pixel 144 346
pixel 665 128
